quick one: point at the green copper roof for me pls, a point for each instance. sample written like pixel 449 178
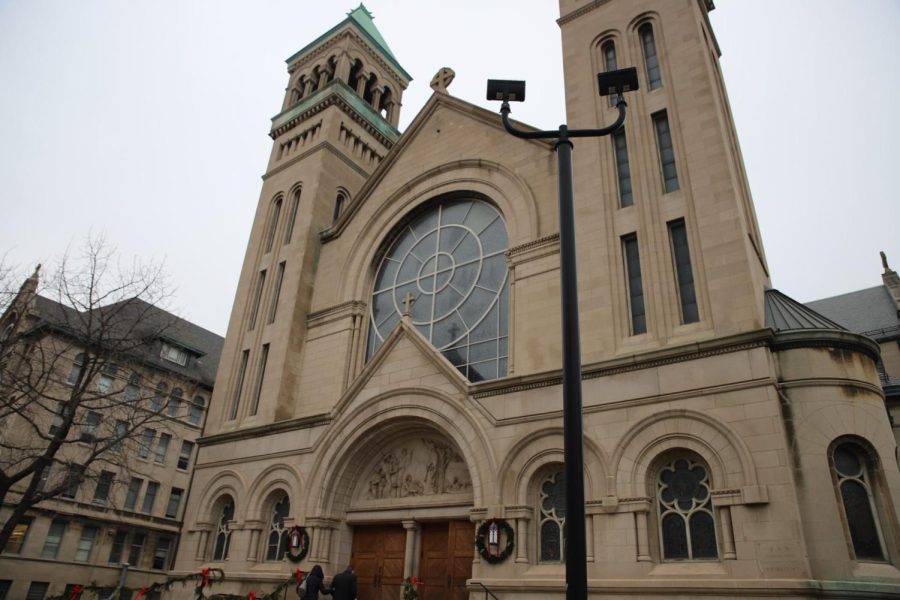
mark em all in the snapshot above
pixel 362 19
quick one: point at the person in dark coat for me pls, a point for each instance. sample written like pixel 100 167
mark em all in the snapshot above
pixel 343 586
pixel 315 583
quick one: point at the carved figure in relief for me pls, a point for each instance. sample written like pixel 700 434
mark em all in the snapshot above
pixel 400 475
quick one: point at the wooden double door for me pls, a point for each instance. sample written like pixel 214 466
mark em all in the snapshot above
pixel 445 560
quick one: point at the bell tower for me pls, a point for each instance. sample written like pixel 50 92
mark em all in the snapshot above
pixel 337 122
pixel 664 204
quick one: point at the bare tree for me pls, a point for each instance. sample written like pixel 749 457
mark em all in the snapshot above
pixel 72 406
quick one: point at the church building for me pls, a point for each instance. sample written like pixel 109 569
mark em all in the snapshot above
pixel 389 394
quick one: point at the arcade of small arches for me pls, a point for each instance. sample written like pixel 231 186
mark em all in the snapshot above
pixel 364 80
pixel 684 492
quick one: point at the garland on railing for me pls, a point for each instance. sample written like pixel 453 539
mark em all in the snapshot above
pixel 482 547
pixel 205 579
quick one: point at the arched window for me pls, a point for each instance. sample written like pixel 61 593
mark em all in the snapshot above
pixel 447 267
pixel 273 224
pixel 159 397
pixel 387 97
pixel 608 50
pixel 292 216
pixel 223 534
pixel 355 72
pixel 686 524
pixel 651 59
pixel 339 202
pixel 853 475
pixel 196 414
pixel 277 540
pixel 552 517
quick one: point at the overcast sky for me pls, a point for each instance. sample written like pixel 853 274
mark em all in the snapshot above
pixel 148 120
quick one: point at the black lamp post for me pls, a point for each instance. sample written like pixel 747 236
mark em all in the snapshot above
pixel 612 82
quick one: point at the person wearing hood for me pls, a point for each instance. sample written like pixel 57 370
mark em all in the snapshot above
pixel 343 586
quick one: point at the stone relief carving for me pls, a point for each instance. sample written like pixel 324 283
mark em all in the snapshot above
pixel 418 467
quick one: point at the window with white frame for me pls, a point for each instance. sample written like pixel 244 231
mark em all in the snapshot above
pixel 173 353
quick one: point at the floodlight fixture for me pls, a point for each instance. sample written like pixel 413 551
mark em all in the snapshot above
pixel 617 82
pixel 507 90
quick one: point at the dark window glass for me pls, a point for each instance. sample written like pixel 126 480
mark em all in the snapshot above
pixel 18 536
pixel 623 170
pixel 37 590
pixel 273 225
pixel 75 371
pixel 5 584
pixel 239 385
pixel 683 272
pixel 223 534
pixel 859 505
pixel 137 547
pixel 295 203
pixel 89 427
pixel 276 293
pixel 666 151
pixel 118 546
pixel 651 60
pixel 338 206
pixel 609 64
pixel 54 539
pixel 104 482
pixel 260 377
pixel 278 534
pixel 685 512
pixel 257 298
pixel 174 503
pixel 552 511
pixel 161 554
pixel 635 284
pixel 175 401
pixel 134 488
pixel 184 459
pixel 196 414
pixel 86 543
pixel 150 497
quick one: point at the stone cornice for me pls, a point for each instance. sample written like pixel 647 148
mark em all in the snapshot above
pixel 340 311
pixel 264 430
pixel 580 11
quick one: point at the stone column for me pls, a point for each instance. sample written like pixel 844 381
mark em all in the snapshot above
pixel 342 71
pixel 643 540
pixel 252 547
pixel 307 87
pixel 411 528
pixel 522 540
pixel 376 98
pixel 589 538
pixel 202 541
pixel 361 84
pixel 729 552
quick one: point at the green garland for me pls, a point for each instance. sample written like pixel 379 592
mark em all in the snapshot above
pixel 411 588
pixel 101 592
pixel 482 548
pixel 304 548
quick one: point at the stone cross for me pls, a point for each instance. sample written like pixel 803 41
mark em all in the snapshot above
pixel 442 79
pixel 408 301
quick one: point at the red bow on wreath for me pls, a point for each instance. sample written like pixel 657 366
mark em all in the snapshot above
pixel 298 575
pixel 252 596
pixel 204 581
pixel 75 593
pixel 141 593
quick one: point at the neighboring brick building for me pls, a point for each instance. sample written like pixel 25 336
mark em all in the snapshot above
pixel 153 394
pixel 390 378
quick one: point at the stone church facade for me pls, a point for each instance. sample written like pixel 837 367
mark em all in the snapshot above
pixel 391 375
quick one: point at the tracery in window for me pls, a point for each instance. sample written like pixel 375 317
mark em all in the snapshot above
pixel 447 267
pixel 223 533
pixel 552 518
pixel 277 542
pixel 686 524
pixel 854 480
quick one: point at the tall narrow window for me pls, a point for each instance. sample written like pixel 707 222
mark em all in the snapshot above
pixel 686 525
pixel 666 151
pixel 623 171
pixel 273 225
pixel 89 428
pixel 133 389
pixel 681 255
pixel 175 401
pixel 278 533
pixel 72 481
pixel 239 385
pixel 651 60
pixel 338 206
pixel 608 50
pixel 196 414
pixel 146 443
pixel 184 458
pixel 57 422
pixel 292 216
pixel 853 475
pixel 134 488
pixel 85 543
pixel 75 371
pixel 161 554
pixel 119 434
pixel 174 503
pixel 37 590
pixel 223 534
pixel 162 448
pixel 104 483
pixel 279 277
pixel 257 298
pixel 117 547
pixel 159 397
pixel 54 539
pixel 260 376
pixel 635 284
pixel 18 536
pixel 137 546
pixel 552 514
pixel 150 497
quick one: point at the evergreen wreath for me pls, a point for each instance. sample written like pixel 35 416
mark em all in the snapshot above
pixel 482 547
pixel 304 548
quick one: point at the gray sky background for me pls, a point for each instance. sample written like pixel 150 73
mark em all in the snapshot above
pixel 147 120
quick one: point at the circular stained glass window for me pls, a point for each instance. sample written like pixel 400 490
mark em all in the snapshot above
pixel 448 268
